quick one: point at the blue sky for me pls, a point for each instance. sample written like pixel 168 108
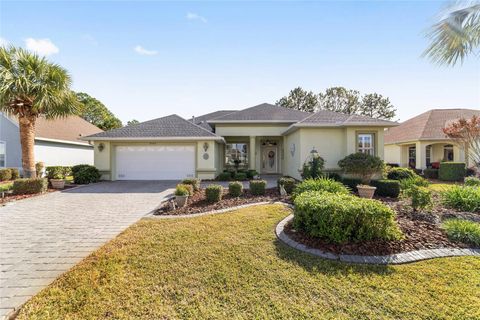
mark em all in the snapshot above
pixel 149 59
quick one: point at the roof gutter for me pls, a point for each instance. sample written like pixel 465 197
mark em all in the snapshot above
pixel 85 144
pixel 250 121
pixel 126 139
pixel 297 126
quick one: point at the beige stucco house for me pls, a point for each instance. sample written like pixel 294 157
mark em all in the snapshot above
pixel 420 141
pixel 267 138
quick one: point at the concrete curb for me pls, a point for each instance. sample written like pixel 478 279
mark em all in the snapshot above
pixel 399 258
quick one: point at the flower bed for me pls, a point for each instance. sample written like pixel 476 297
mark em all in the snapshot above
pixel 198 202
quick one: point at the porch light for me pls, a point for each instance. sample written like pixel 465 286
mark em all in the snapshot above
pixel 205 146
pixel 100 147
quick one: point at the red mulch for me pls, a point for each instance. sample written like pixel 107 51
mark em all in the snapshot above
pixel 198 204
pixel 9 197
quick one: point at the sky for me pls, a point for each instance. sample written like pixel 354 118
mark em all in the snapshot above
pixel 148 59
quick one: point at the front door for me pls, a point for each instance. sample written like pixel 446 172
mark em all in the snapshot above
pixel 269 160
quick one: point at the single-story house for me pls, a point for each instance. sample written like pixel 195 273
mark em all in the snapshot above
pixel 267 138
pixel 57 142
pixel 420 141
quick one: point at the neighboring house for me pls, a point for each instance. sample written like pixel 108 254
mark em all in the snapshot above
pixel 420 141
pixel 57 142
pixel 267 138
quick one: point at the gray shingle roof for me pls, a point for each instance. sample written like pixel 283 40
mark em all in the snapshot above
pixel 202 120
pixel 169 126
pixel 427 126
pixel 326 117
pixel 263 112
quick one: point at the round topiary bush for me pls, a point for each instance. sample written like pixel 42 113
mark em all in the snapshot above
pixel 341 218
pixel 288 183
pixel 398 173
pixel 363 165
pixel 85 174
pixel 235 189
pixel 321 184
pixel 214 193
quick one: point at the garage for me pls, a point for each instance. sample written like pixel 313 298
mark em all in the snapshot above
pixel 155 162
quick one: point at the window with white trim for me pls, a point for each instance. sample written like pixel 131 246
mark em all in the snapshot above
pixel 366 143
pixel 3 154
pixel 428 155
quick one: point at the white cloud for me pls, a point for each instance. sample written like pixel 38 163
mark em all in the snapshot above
pixel 3 42
pixel 194 16
pixel 141 50
pixel 43 47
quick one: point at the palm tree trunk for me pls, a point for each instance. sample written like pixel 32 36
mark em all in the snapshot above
pixel 27 140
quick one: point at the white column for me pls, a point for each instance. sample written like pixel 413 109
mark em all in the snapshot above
pixel 251 150
pixel 421 160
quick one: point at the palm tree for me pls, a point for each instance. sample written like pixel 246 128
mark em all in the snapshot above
pixel 31 87
pixel 456 35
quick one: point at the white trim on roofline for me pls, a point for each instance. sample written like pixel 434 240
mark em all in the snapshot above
pixel 252 121
pixel 85 144
pixel 152 139
pixel 411 141
pixel 297 126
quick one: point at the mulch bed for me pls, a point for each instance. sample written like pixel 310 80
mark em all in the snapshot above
pixel 421 231
pixel 198 204
pixel 9 197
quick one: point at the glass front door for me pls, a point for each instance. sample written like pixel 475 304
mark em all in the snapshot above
pixel 269 160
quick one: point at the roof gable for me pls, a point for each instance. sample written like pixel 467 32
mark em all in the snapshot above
pixel 71 128
pixel 263 112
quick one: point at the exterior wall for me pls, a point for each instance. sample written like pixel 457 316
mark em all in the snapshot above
pixel 393 154
pixel 205 164
pixel 62 154
pixel 10 135
pixel 292 149
pixel 249 130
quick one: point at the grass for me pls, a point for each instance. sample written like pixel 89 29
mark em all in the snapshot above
pixel 439 187
pixel 5 186
pixel 231 266
pixel 463 231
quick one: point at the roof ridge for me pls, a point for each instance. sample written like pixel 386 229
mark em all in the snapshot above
pixel 196 125
pixel 426 122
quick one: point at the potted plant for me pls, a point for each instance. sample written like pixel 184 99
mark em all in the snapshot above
pixel 364 166
pixel 181 196
pixel 56 175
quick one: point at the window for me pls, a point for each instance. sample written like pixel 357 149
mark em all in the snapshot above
pixel 448 152
pixel 428 155
pixel 3 154
pixel 236 155
pixel 366 143
pixel 412 157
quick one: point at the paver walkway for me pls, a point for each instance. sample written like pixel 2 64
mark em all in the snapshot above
pixel 44 236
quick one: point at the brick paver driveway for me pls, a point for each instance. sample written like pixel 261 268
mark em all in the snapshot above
pixel 42 237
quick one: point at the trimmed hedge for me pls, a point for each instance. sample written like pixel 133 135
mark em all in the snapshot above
pixel 351 183
pixel 214 193
pixel 194 182
pixel 251 174
pixel 288 184
pixel 386 188
pixel 257 187
pixel 452 171
pixel 430 173
pixel 224 176
pixel 341 218
pixel 30 186
pixel 235 189
pixel 333 176
pixel 462 198
pixel 5 174
pixel 398 173
pixel 85 174
pixel 322 184
pixel 240 176
pixel 15 173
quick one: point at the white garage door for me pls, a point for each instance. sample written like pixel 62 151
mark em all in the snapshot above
pixel 168 162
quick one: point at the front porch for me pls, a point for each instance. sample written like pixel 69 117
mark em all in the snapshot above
pixel 421 154
pixel 260 153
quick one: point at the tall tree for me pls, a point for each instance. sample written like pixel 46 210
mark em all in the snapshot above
pixel 132 122
pixel 340 99
pixel 376 106
pixel 456 34
pixel 299 99
pixel 30 87
pixel 466 133
pixel 97 113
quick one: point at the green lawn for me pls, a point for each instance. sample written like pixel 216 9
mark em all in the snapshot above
pixel 231 266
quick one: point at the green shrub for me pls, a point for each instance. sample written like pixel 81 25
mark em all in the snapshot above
pixel 430 173
pixel 386 188
pixel 288 184
pixel 251 174
pixel 181 190
pixel 240 176
pixel 420 197
pixel 39 166
pixel 413 181
pixel 463 231
pixel 189 188
pixel 30 186
pixel 321 184
pixel 85 174
pixel 313 167
pixel 194 182
pixel 235 189
pixel 5 174
pixel 224 176
pixel 214 193
pixel 472 182
pixel 15 173
pixel 351 183
pixel 397 173
pixel 333 176
pixel 75 169
pixel 257 187
pixel 57 172
pixel 462 198
pixel 451 171
pixel 341 218
pixel 363 165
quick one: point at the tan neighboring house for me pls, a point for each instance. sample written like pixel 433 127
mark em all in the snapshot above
pixel 267 138
pixel 420 141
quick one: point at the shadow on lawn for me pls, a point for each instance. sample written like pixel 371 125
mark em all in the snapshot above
pixel 314 264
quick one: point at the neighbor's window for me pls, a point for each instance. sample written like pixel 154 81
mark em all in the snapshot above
pixel 236 155
pixel 3 154
pixel 365 143
pixel 428 155
pixel 412 157
pixel 448 152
